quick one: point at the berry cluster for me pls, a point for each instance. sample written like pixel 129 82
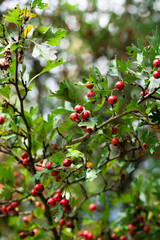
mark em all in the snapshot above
pixel 156 64
pixel 24 158
pixel 39 188
pixel 31 233
pixel 91 93
pixel 79 116
pixel 10 208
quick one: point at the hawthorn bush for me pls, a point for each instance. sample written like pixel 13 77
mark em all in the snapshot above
pixel 89 171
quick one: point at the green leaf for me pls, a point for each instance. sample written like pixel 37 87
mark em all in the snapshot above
pixel 74 153
pixel 38 4
pixel 92 174
pixel 14 16
pixel 113 71
pixel 59 34
pixel 98 139
pixel 154 40
pixel 58 212
pixel 38 175
pixel 44 50
pixel 59 111
pixel 5 194
pixel 90 123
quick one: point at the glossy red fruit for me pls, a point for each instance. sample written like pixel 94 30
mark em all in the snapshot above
pixel 25 219
pixel 22 235
pixel 99 238
pixel 114 130
pixel 24 155
pixel 92 206
pixel 119 85
pixel 130 226
pixel 70 224
pixel 31 233
pixel 89 85
pixel 145 146
pixel 156 74
pixel 112 99
pixel 156 63
pixel 122 237
pixel 57 197
pixel 67 209
pixel 145 93
pixel 1 120
pixel 140 219
pixel 34 193
pixel 32 215
pixel 37 204
pixel 85 115
pixel 78 109
pixel 67 162
pixel 85 233
pixel 25 161
pixel 39 188
pixel 64 202
pixel 159 216
pixel 114 141
pixel 54 173
pixel 80 234
pixel 91 94
pixel 4 209
pixel 61 222
pixel 74 117
pixel 89 236
pixel 49 165
pixel 13 205
pixel 51 202
pixel 146 229
pixel 113 236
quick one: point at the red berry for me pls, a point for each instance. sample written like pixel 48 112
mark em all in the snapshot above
pixel 4 209
pixel 64 202
pixel 114 141
pixel 119 85
pixel 51 202
pixel 74 117
pixel 61 222
pixel 112 99
pixel 34 193
pixel 37 204
pixel 31 233
pixel 113 236
pixel 122 237
pixel 85 233
pixel 67 209
pixel 48 165
pixel 130 226
pixel 80 234
pixel 145 93
pixel 114 130
pixel 78 109
pixel 140 219
pixel 156 63
pixel 92 206
pixel 1 120
pixel 24 155
pixel 57 197
pixel 159 216
pixel 146 229
pixel 67 162
pixel 70 224
pixel 145 146
pixel 39 188
pixel 14 205
pixel 156 74
pixel 54 173
pixel 35 230
pixel 89 85
pixel 25 219
pixel 32 215
pixel 91 94
pixel 99 238
pixel 22 235
pixel 26 161
pixel 89 236
pixel 85 115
